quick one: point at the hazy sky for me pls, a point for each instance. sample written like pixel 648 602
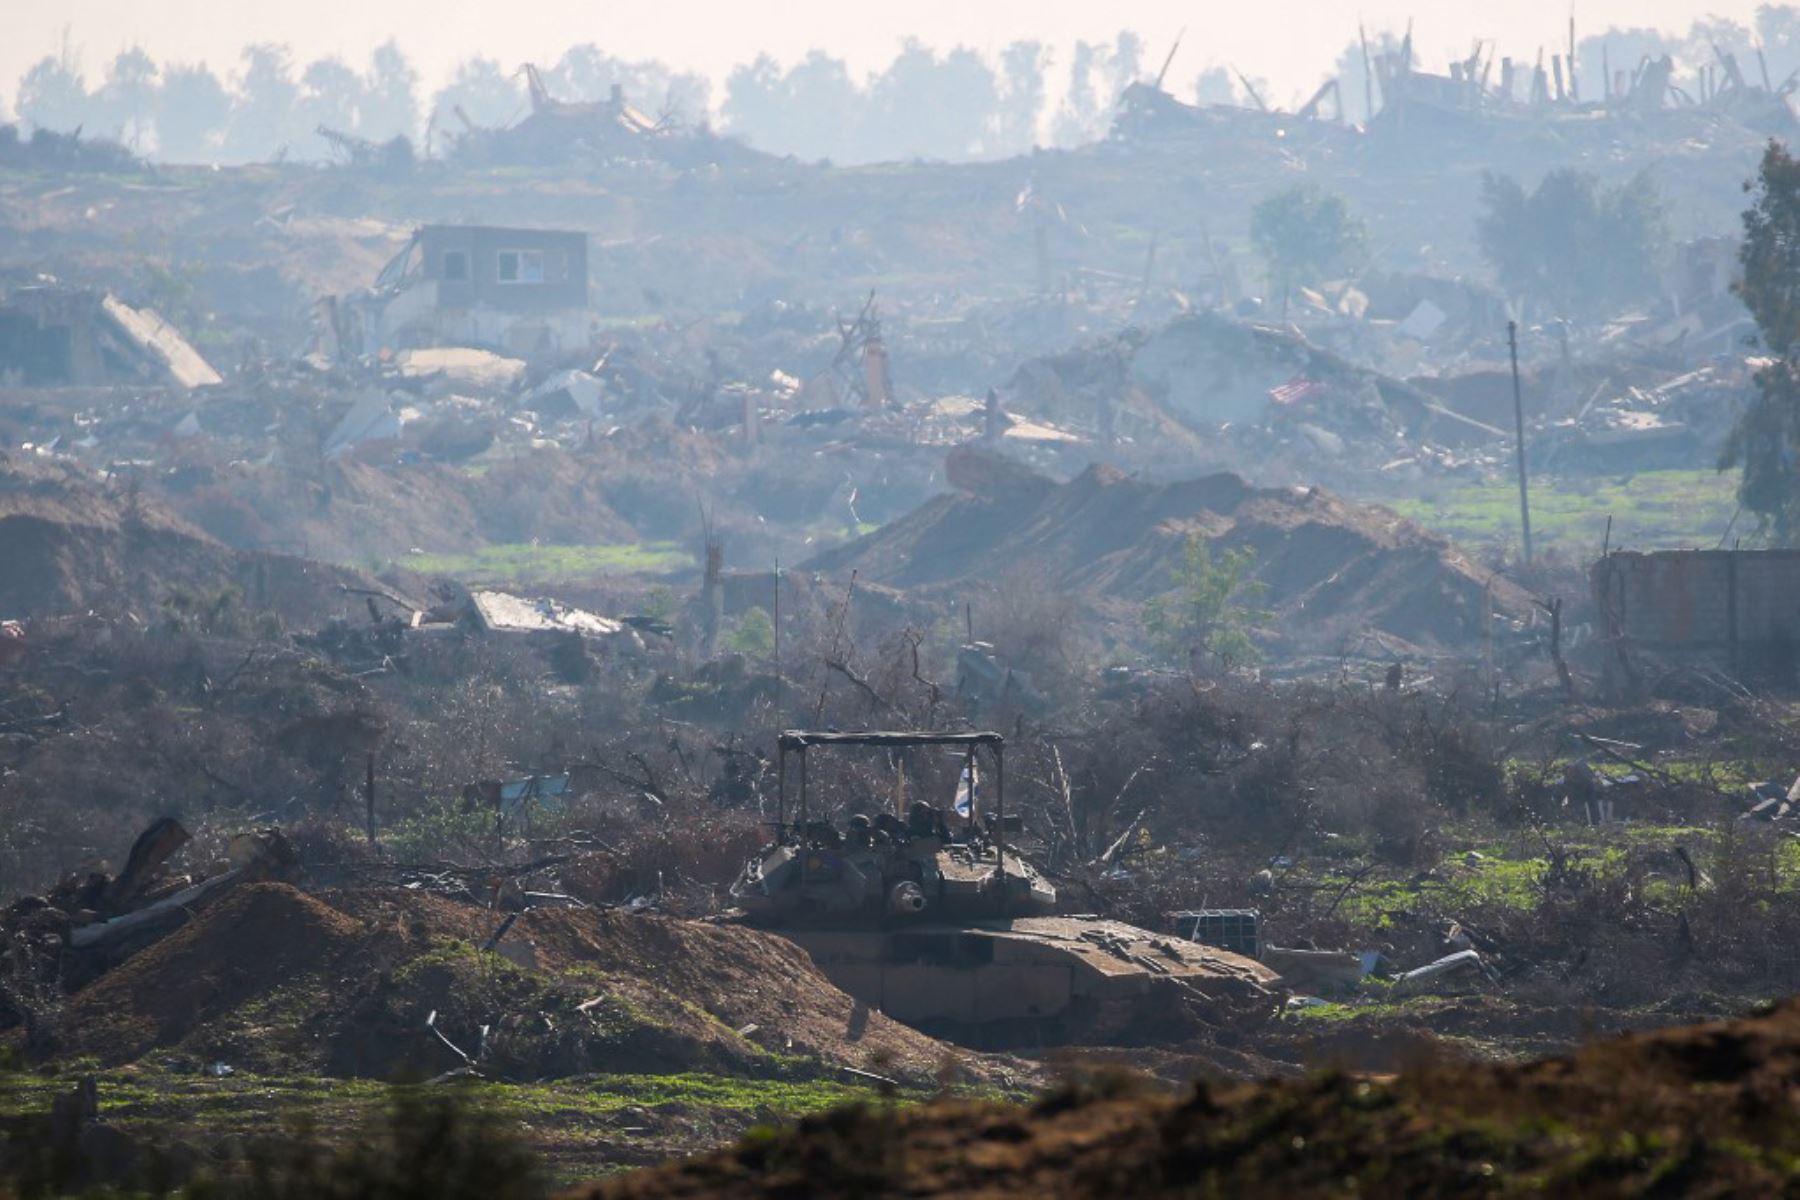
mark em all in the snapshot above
pixel 1290 42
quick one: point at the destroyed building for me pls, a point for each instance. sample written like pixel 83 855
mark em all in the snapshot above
pixel 520 290
pixel 569 132
pixel 1486 94
pixel 56 336
pixel 502 613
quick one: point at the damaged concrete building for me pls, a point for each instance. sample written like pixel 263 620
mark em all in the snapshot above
pixel 520 290
pixel 57 336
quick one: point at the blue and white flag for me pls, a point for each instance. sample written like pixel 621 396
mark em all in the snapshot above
pixel 966 784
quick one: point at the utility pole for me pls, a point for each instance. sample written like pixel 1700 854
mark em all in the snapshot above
pixel 780 679
pixel 1512 343
pixel 369 797
pixel 1368 76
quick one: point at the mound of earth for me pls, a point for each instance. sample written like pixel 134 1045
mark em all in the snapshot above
pixel 1702 1111
pixel 71 544
pixel 353 511
pixel 1333 571
pixel 240 951
pixel 273 979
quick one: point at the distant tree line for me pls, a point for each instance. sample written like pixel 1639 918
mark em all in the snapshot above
pixel 950 105
pixel 272 107
pixel 953 105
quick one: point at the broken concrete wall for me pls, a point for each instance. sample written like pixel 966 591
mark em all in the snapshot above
pixel 1736 610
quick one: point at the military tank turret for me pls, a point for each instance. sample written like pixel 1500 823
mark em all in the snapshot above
pixel 928 915
pixel 928 865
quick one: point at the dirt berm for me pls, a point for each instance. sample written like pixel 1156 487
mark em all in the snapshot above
pixel 70 544
pixel 1702 1111
pixel 271 978
pixel 1334 572
pixel 351 511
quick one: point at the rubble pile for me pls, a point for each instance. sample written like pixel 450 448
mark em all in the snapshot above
pixel 445 408
pixel 1681 421
pixel 440 555
pixel 1213 390
pixel 567 133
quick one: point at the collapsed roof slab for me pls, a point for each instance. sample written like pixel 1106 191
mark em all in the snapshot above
pixel 502 612
pixel 60 336
pixel 161 342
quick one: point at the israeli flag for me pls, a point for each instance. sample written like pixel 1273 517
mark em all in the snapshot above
pixel 965 791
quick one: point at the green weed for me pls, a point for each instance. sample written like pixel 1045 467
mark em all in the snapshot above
pixel 1650 510
pixel 523 564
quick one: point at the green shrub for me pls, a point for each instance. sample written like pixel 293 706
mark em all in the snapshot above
pixel 752 635
pixel 438 825
pixel 1210 609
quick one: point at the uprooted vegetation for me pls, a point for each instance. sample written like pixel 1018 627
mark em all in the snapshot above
pixel 1697 1111
pixel 1396 824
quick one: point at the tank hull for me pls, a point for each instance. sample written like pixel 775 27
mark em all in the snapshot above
pixel 1038 980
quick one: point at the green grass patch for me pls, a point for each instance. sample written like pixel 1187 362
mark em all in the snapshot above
pixel 610 1093
pixel 1651 510
pixel 1493 881
pixel 1374 1004
pixel 523 564
pixel 1733 773
pixel 1511 872
pixel 580 1127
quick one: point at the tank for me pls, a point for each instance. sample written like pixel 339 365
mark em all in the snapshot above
pixel 886 870
pixel 859 878
pixel 931 918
